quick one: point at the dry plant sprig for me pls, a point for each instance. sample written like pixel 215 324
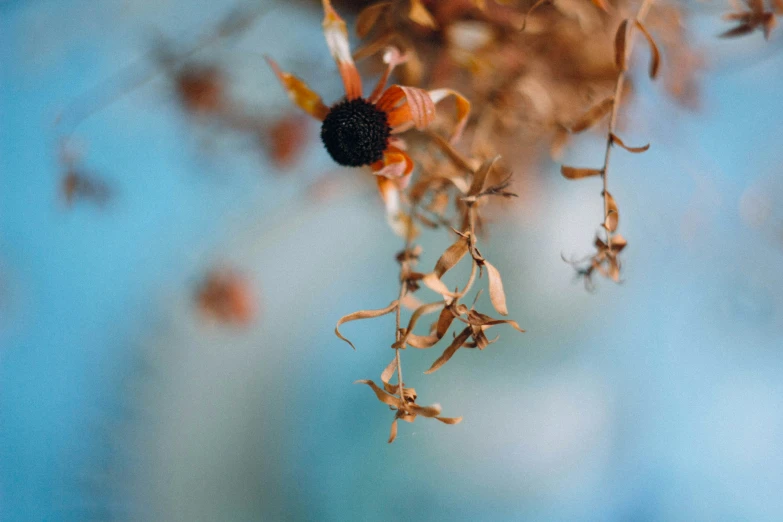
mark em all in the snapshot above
pixel 606 259
pixel 449 308
pixel 752 18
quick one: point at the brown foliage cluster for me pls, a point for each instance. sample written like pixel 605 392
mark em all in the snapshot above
pixel 753 15
pixel 467 189
pixel 529 68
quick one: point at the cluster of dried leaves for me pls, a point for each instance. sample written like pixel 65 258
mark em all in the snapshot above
pixel 606 260
pixel 465 189
pixel 529 69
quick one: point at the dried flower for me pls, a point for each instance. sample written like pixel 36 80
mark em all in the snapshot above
pixel 358 131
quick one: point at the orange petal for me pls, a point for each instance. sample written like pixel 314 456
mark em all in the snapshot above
pixel 395 164
pixel 463 109
pixel 337 40
pixel 300 93
pixel 390 193
pixel 392 58
pixel 407 106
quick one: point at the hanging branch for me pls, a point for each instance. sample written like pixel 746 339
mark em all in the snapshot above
pixel 606 260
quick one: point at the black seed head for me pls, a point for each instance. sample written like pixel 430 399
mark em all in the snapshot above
pixel 355 133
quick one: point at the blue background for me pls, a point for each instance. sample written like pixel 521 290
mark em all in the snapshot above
pixel 659 399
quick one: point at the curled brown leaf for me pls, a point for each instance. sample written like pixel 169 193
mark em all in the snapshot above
pixel 636 150
pixel 455 345
pixel 384 397
pixel 655 58
pixel 363 314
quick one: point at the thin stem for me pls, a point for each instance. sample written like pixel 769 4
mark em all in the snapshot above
pixel 618 90
pixel 404 268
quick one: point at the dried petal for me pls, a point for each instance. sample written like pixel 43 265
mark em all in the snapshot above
pixel 336 36
pixel 450 420
pixel 299 92
pixel 406 107
pixel 579 173
pixel 363 314
pixel 463 109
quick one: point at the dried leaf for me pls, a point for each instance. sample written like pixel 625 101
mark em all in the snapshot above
pixel 451 350
pixel 579 173
pixel 593 116
pixel 421 16
pixel 422 310
pixel 387 373
pixel 614 269
pixel 445 319
pixel 478 319
pixel 450 420
pixel 384 397
pixel 451 256
pixel 480 177
pixel 456 158
pixel 620 40
pixel 618 243
pixel 496 293
pixel 393 434
pixel 368 17
pixel 362 314
pixel 612 214
pixel 433 282
pixel 636 150
pixel 424 411
pixel 530 11
pixel 655 59
pixel 740 30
